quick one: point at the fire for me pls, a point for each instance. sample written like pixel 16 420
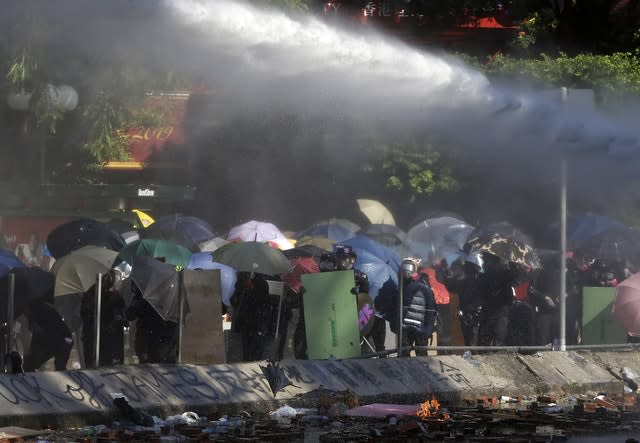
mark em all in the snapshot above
pixel 431 409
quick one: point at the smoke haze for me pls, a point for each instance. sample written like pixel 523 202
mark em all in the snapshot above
pixel 289 80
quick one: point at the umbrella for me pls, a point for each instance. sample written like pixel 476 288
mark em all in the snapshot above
pixel 228 276
pixel 184 230
pixel 306 250
pixel 331 230
pixel 253 256
pixel 300 265
pixel 319 243
pixel 583 227
pixel 144 219
pixel 504 229
pixel 76 272
pixel 30 284
pixel 436 238
pixel 361 243
pixel 376 212
pixel 275 376
pixel 168 251
pixel 388 235
pixel 82 232
pixel 504 248
pixel 615 244
pixel 259 231
pixel 213 244
pixel 378 271
pixel 8 261
pixel 159 284
pixel 626 306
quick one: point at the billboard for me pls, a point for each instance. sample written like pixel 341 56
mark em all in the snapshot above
pixel 158 142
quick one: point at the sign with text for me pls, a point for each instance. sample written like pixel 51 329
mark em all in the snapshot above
pixel 330 315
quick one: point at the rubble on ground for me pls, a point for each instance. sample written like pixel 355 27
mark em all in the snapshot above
pixel 340 418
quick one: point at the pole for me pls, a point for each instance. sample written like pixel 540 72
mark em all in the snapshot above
pixel 10 313
pixel 98 319
pixel 400 307
pixel 180 313
pixel 562 340
pixel 562 344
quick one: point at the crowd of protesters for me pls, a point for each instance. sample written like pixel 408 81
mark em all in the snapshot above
pixel 491 302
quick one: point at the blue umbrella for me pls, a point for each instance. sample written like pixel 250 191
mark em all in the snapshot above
pixel 184 230
pixel 584 227
pixel 333 231
pixel 8 261
pixel 361 243
pixel 228 275
pixel 378 271
pixel 75 234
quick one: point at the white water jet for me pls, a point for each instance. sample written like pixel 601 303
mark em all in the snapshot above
pixel 268 59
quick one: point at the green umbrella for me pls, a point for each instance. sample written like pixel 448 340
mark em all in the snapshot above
pixel 253 256
pixel 165 250
pixel 76 272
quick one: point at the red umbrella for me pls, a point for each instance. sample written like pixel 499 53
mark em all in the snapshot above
pixel 300 265
pixel 626 307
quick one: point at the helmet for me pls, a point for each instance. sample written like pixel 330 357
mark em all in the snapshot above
pixel 408 268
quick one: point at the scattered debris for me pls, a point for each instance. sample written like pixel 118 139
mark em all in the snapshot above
pixel 484 419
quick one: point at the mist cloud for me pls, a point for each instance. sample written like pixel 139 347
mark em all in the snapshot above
pixel 264 62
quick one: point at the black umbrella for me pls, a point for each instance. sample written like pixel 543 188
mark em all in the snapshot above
pixel 30 284
pixel 304 251
pixel 159 284
pixel 82 232
pixel 505 248
pixel 275 376
pixel 184 230
pixel 617 244
pixel 504 229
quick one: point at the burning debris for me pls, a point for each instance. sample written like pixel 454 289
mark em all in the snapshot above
pixel 430 409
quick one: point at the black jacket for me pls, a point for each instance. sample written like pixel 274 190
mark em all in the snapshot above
pixel 419 307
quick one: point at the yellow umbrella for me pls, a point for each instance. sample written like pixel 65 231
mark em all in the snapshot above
pixel 376 212
pixel 320 242
pixel 145 219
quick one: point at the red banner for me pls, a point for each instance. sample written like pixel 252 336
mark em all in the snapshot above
pixel 144 143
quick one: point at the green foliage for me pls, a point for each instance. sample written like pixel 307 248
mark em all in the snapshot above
pixel 414 168
pixel 611 76
pixel 539 22
pixel 47 113
pixel 21 70
pixel 104 118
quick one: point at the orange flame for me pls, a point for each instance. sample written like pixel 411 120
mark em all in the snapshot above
pixel 431 409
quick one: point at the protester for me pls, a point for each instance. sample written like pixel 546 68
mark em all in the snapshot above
pixel 156 339
pixel 386 311
pixel 463 279
pixel 443 305
pixel 254 319
pixel 112 322
pixel 496 284
pixel 418 308
pixel 50 337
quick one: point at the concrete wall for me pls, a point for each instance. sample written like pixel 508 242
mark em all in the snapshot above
pixel 85 396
